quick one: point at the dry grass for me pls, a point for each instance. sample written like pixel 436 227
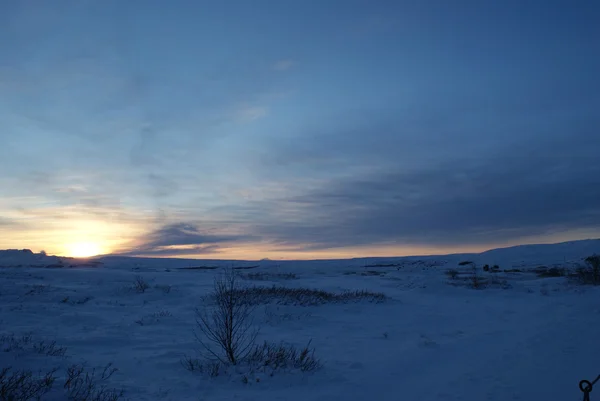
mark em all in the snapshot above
pixel 303 296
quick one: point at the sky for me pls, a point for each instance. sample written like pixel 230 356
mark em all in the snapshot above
pixel 297 129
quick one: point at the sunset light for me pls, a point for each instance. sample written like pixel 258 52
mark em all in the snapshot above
pixel 83 249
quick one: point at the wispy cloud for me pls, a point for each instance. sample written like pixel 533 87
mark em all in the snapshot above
pixel 192 251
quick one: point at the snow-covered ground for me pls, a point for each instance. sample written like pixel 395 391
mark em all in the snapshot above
pixel 525 338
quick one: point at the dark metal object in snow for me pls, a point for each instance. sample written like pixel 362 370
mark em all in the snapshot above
pixel 586 387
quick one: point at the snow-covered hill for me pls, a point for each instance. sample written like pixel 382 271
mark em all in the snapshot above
pixel 526 337
pixel 26 258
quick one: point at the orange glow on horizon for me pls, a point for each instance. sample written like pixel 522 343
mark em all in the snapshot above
pixel 72 231
pixel 245 252
pixel 82 234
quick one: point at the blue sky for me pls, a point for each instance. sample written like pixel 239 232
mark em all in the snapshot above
pixel 297 129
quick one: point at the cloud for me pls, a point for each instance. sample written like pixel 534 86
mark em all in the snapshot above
pixel 174 252
pixel 181 239
pixel 283 65
pixel 9 223
pixel 523 189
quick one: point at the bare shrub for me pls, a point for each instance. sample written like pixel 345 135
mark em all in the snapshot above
pixel 476 281
pixel 588 274
pixel 191 364
pixel 82 385
pixel 594 264
pixel 23 385
pixel 154 317
pixel 267 357
pixel 212 368
pixel 282 356
pixel 140 284
pixel 37 289
pixel 591 274
pixel 226 331
pixel 11 342
pixel 49 348
pixel 543 271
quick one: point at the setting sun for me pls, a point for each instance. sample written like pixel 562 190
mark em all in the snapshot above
pixel 83 249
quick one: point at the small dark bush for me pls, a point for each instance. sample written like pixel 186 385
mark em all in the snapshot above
pixel 267 357
pixel 486 268
pixel 49 348
pixel 452 273
pixel 37 289
pixel 477 282
pixel 269 276
pixel 10 342
pixel 24 385
pixel 191 364
pixel 81 301
pixel 213 368
pixel 384 265
pixel 281 356
pixel 370 273
pixel 590 274
pixel 593 263
pixel 551 272
pixel 140 284
pixel 199 268
pixel 82 385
